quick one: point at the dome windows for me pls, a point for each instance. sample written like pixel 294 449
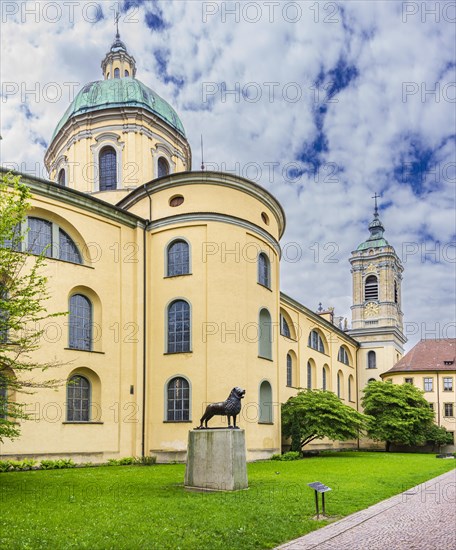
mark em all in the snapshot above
pixel 108 169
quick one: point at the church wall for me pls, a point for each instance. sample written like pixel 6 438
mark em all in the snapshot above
pixel 111 278
pixel 225 302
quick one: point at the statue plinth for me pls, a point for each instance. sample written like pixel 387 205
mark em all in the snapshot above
pixel 216 460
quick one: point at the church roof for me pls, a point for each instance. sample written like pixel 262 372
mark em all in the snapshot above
pixel 120 92
pixel 376 239
pixel 428 355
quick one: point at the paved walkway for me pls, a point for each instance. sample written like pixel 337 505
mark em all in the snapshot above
pixel 422 518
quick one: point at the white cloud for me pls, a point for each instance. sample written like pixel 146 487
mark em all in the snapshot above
pixel 369 130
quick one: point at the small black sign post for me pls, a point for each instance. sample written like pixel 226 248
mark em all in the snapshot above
pixel 318 487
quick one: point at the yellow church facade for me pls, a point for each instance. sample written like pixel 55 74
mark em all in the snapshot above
pixel 171 278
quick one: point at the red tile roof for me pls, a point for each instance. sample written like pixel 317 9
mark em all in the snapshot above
pixel 437 355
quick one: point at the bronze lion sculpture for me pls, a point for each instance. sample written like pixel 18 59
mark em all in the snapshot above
pixel 230 408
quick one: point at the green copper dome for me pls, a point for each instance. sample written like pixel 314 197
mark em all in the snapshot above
pixel 120 92
pixel 376 239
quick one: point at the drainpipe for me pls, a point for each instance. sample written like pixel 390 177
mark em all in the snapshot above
pixel 143 434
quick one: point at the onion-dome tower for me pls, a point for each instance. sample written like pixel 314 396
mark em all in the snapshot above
pixel 377 318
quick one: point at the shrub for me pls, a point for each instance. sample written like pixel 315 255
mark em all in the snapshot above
pixel 57 464
pixel 292 455
pixel 17 465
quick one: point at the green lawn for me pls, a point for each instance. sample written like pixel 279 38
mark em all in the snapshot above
pixel 147 507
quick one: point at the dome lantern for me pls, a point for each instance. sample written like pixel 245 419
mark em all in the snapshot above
pixel 118 63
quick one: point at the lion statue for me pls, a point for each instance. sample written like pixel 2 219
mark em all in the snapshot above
pixel 230 408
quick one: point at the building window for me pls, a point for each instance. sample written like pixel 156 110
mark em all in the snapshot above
pixel 324 379
pixel 371 380
pixel 78 399
pixel 340 385
pixel 108 169
pixel 264 270
pixel 80 323
pixel 127 73
pixel 68 250
pixel 162 167
pixel 315 341
pixel 178 400
pixel 116 73
pixel 178 259
pixel 350 388
pixel 408 380
pixel 371 288
pixel 39 237
pixel 284 328
pixel 447 384
pixel 175 201
pixel 448 409
pixel 431 406
pixel 371 360
pixel 428 384
pixel 289 370
pixel 61 178
pixel 179 327
pixel 265 334
pixel 309 375
pixel 265 402
pixel 396 294
pixel 343 356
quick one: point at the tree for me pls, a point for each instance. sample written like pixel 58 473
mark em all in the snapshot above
pixel 313 414
pixel 438 436
pixel 400 413
pixel 23 296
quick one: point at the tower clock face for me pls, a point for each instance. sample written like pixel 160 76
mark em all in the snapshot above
pixel 371 309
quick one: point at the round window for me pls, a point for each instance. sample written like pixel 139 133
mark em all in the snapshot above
pixel 177 200
pixel 265 218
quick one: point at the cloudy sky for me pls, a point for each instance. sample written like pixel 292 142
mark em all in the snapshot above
pixel 322 103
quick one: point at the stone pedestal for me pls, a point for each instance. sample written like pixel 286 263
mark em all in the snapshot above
pixel 216 460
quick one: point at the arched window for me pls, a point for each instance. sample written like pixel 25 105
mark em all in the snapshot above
pixel 178 400
pixel 127 73
pixel 315 341
pixel 80 322
pixel 78 399
pixel 371 360
pixel 39 236
pixel 265 401
pixel 343 356
pixel 162 167
pixel 350 387
pixel 340 383
pixel 264 270
pixel 265 334
pixel 116 73
pixel 309 375
pixel 284 328
pixel 178 259
pixel 324 379
pixel 371 380
pixel 108 169
pixel 178 327
pixel 289 370
pixel 371 288
pixel 61 178
pixel 67 248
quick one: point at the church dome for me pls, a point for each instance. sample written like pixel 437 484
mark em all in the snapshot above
pixel 120 92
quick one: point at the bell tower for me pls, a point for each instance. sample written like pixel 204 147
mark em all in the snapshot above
pixel 377 318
